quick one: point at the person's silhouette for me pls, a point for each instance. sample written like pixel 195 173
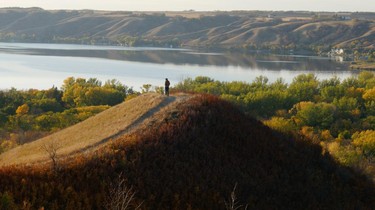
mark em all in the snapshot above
pixel 166 86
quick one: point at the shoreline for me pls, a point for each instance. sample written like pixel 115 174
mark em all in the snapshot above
pixel 364 66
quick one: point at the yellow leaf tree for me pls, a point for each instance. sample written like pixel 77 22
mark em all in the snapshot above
pixel 23 109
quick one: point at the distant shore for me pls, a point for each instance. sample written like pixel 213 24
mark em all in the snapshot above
pixel 367 66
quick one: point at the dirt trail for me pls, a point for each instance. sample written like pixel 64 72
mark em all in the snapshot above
pixel 96 131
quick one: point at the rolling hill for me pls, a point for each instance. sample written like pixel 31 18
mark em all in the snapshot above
pixel 182 152
pixel 242 29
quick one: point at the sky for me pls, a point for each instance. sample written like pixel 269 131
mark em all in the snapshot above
pixel 198 5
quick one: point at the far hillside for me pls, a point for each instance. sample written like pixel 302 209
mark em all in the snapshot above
pixel 241 30
pixel 186 152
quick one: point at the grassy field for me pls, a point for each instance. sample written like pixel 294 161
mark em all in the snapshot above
pixel 92 133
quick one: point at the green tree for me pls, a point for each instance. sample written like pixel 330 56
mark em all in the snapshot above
pixel 265 103
pixel 11 100
pixel 237 88
pixel 347 107
pixel 45 105
pixel 146 88
pixel 68 91
pixel 103 96
pixel 279 84
pixel 330 93
pixel 210 88
pixel 116 85
pixel 47 122
pixel 351 82
pixel 367 79
pixel 320 115
pixel 260 82
pixel 331 89
pixel 304 87
pixel 281 124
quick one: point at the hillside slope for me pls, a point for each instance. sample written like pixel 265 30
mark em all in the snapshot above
pixel 226 29
pixel 190 155
pixel 91 133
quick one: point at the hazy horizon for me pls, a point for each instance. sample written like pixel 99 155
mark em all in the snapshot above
pixel 208 5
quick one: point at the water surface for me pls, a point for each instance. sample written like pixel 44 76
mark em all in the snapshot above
pixel 42 66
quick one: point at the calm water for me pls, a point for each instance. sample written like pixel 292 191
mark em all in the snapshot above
pixel 42 66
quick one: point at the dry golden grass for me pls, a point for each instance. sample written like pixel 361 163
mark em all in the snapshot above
pixel 94 132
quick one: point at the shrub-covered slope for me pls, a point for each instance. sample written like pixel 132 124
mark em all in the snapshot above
pixel 190 157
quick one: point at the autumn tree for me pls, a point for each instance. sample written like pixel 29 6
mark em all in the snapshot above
pixel 81 92
pixel 23 109
pixel 365 140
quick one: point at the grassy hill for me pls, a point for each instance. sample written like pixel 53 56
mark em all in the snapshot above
pixel 253 29
pixel 92 133
pixel 185 152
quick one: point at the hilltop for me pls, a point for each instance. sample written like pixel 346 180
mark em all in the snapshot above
pixel 238 29
pixel 188 152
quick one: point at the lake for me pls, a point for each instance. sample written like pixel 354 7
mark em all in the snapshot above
pixel 42 66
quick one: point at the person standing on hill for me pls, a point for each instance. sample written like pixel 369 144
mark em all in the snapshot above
pixel 166 86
